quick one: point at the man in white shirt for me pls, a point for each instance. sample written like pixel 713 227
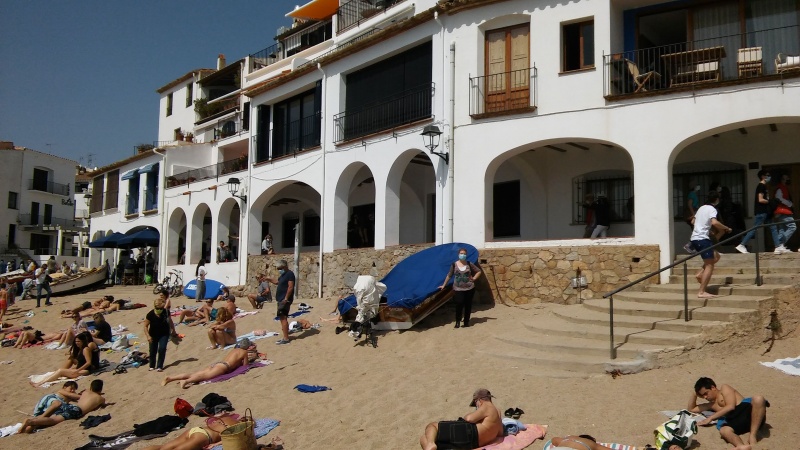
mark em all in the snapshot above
pixel 42 283
pixel 704 220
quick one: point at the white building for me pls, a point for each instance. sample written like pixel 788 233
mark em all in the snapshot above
pixel 38 215
pixel 539 104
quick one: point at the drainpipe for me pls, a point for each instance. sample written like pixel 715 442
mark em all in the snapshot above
pixel 451 150
pixel 323 140
pixel 162 249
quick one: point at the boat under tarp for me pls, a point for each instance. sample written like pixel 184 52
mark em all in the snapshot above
pixel 412 287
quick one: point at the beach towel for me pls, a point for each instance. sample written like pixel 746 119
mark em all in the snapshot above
pixel 785 365
pixel 10 430
pixel 549 445
pixel 93 421
pixel 238 371
pixel 309 389
pixel 35 379
pixel 253 337
pixel 244 314
pixel 294 314
pixel 262 428
pixel 520 440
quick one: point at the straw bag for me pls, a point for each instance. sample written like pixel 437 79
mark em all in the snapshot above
pixel 240 436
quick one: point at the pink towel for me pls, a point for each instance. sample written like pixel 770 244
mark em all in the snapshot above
pixel 520 440
pixel 238 371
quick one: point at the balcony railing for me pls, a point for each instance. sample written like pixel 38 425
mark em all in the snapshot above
pixel 131 204
pixel 31 220
pixel 112 199
pixel 48 186
pixel 703 63
pixel 354 12
pixel 401 109
pixel 266 57
pixel 296 136
pixel 213 171
pixel 231 126
pixel 39 251
pixel 308 37
pixel 503 93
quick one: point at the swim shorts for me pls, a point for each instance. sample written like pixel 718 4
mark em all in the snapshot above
pixel 739 419
pixel 283 308
pixel 701 247
pixel 69 411
pixel 457 435
pixel 264 298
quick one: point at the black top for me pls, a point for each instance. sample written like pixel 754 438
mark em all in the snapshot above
pixel 602 211
pixel 95 364
pixel 159 325
pixel 761 208
pixel 103 331
pixel 283 286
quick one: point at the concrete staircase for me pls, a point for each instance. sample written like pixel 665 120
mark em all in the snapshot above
pixel 649 326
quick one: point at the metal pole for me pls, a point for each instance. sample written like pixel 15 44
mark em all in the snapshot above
pixel 758 269
pixel 296 259
pixel 611 323
pixel 685 292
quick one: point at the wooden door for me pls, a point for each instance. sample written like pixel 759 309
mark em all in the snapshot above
pixel 507 79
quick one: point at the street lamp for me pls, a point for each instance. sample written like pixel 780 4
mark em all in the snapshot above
pixel 233 188
pixel 430 135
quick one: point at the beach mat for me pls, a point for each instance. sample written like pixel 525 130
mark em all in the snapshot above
pixel 118 442
pixel 238 371
pixel 548 445
pixel 520 440
pixel 252 336
pixel 262 428
pixel 790 366
pixel 38 379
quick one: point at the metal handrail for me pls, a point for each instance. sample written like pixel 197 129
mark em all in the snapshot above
pixel 610 295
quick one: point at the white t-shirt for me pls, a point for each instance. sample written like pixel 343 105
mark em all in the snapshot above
pixel 702 222
pixel 41 275
pixel 201 273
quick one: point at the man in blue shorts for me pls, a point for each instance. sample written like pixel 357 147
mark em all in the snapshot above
pixel 263 293
pixel 734 413
pixel 703 221
pixel 284 295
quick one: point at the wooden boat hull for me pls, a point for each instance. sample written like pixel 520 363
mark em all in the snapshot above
pixel 70 284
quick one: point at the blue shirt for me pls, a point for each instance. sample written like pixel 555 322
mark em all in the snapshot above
pixel 283 286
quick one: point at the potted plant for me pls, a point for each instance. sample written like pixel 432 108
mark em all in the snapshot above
pixel 189 137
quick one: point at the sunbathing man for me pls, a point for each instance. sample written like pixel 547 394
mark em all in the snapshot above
pixel 32 336
pixel 66 394
pixel 85 309
pixel 60 411
pixel 582 442
pixel 198 438
pixel 233 360
pixel 734 413
pixel 475 430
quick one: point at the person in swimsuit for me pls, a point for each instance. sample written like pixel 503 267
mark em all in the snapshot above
pixel 60 411
pixel 32 336
pixel 65 394
pixel 223 332
pixel 84 358
pixel 198 438
pixel 734 413
pixel 476 429
pixel 582 442
pixel 3 301
pixel 233 360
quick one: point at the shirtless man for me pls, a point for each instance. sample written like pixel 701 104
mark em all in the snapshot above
pixel 235 358
pixel 734 414
pixel 60 411
pixel 483 425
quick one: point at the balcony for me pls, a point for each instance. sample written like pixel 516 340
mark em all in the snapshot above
pixel 401 109
pixel 28 220
pixel 355 12
pixel 503 93
pixel 48 186
pixel 208 110
pixel 702 64
pixel 229 126
pixel 292 42
pixel 213 171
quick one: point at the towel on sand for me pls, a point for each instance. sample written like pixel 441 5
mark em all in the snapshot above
pixel 36 379
pixel 311 389
pixel 520 440
pixel 262 427
pixel 240 313
pixel 785 365
pixel 238 371
pixel 253 337
pixel 294 314
pixel 549 445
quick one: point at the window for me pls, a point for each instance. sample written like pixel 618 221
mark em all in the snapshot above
pixel 296 125
pixel 133 196
pixel 112 189
pixel 96 204
pixel 12 236
pixel 13 198
pixel 169 104
pixel 289 222
pixel 506 215
pixel 732 181
pixel 34 213
pixel 48 215
pixel 616 186
pixel 578 42
pixel 311 225
pixel 40 180
pixel 507 68
pixel 189 95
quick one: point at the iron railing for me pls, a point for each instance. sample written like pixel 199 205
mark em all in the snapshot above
pixel 151 199
pixel 736 57
pixel 618 190
pixel 308 37
pixel 131 204
pixel 159 144
pixel 686 316
pixel 296 136
pixel 207 172
pixel 38 220
pixel 406 107
pixel 48 186
pixel 266 57
pixel 230 126
pixel 39 251
pixel 354 12
pixel 507 92
pixel 112 199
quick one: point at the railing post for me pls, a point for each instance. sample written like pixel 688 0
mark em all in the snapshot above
pixel 685 292
pixel 758 269
pixel 613 351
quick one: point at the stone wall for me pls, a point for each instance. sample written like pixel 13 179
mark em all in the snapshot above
pixel 515 275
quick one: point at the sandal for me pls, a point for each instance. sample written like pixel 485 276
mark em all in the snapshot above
pixel 517 412
pixel 509 412
pixel 119 369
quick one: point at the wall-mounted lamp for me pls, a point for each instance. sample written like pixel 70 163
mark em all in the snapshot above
pixel 430 135
pixel 233 188
pixel 88 199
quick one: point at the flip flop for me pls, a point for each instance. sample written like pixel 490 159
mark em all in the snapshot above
pixel 517 412
pixel 509 412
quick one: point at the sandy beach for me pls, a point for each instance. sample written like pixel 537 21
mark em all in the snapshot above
pixel 383 397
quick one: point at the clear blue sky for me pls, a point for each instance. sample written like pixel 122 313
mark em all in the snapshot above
pixel 79 77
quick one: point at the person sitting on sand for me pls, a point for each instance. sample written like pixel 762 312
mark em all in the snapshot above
pixel 263 295
pixel 68 393
pixel 482 426
pixel 223 332
pixel 734 413
pixel 102 330
pixel 198 438
pixel 77 327
pixel 301 325
pixel 84 358
pixel 197 316
pixel 237 357
pixel 60 411
pixel 31 336
pixel 582 442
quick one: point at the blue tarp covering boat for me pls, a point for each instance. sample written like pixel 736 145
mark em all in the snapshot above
pixel 418 277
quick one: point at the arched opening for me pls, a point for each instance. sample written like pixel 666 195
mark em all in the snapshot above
pixel 354 208
pixel 279 209
pixel 411 200
pixel 176 238
pixel 201 235
pixel 228 231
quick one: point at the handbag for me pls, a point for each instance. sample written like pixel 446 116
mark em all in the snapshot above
pixel 242 435
pixel 182 408
pixel 676 431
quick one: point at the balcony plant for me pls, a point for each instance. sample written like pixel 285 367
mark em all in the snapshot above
pixel 203 109
pixel 189 137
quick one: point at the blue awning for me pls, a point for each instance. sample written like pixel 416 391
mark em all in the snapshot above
pixel 149 168
pixel 130 174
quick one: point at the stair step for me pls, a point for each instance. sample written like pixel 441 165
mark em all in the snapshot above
pixel 670 311
pixel 560 363
pixel 742 270
pixel 578 346
pixel 776 280
pixel 582 315
pixel 552 326
pixel 674 297
pixel 720 288
pixel 748 259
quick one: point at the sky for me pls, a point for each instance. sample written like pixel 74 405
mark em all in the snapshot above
pixel 78 78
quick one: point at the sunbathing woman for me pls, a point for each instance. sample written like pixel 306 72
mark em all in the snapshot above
pixel 197 316
pixel 84 356
pixel 233 360
pixel 76 328
pixel 84 310
pixel 198 438
pixel 32 336
pixel 223 332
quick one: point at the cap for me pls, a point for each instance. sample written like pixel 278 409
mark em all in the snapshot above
pixel 480 394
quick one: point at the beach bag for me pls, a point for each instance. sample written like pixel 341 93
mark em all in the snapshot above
pixel 121 343
pixel 183 408
pixel 241 436
pixel 676 431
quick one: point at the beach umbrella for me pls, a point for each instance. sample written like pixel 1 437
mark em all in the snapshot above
pixel 109 241
pixel 147 237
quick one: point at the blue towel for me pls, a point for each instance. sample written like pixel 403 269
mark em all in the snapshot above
pixel 263 426
pixel 309 389
pixel 513 426
pixel 294 314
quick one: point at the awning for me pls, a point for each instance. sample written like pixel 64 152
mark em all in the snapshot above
pixel 316 10
pixel 109 241
pixel 130 174
pixel 149 168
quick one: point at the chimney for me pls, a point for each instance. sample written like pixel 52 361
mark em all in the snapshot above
pixel 220 61
pixel 6 145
